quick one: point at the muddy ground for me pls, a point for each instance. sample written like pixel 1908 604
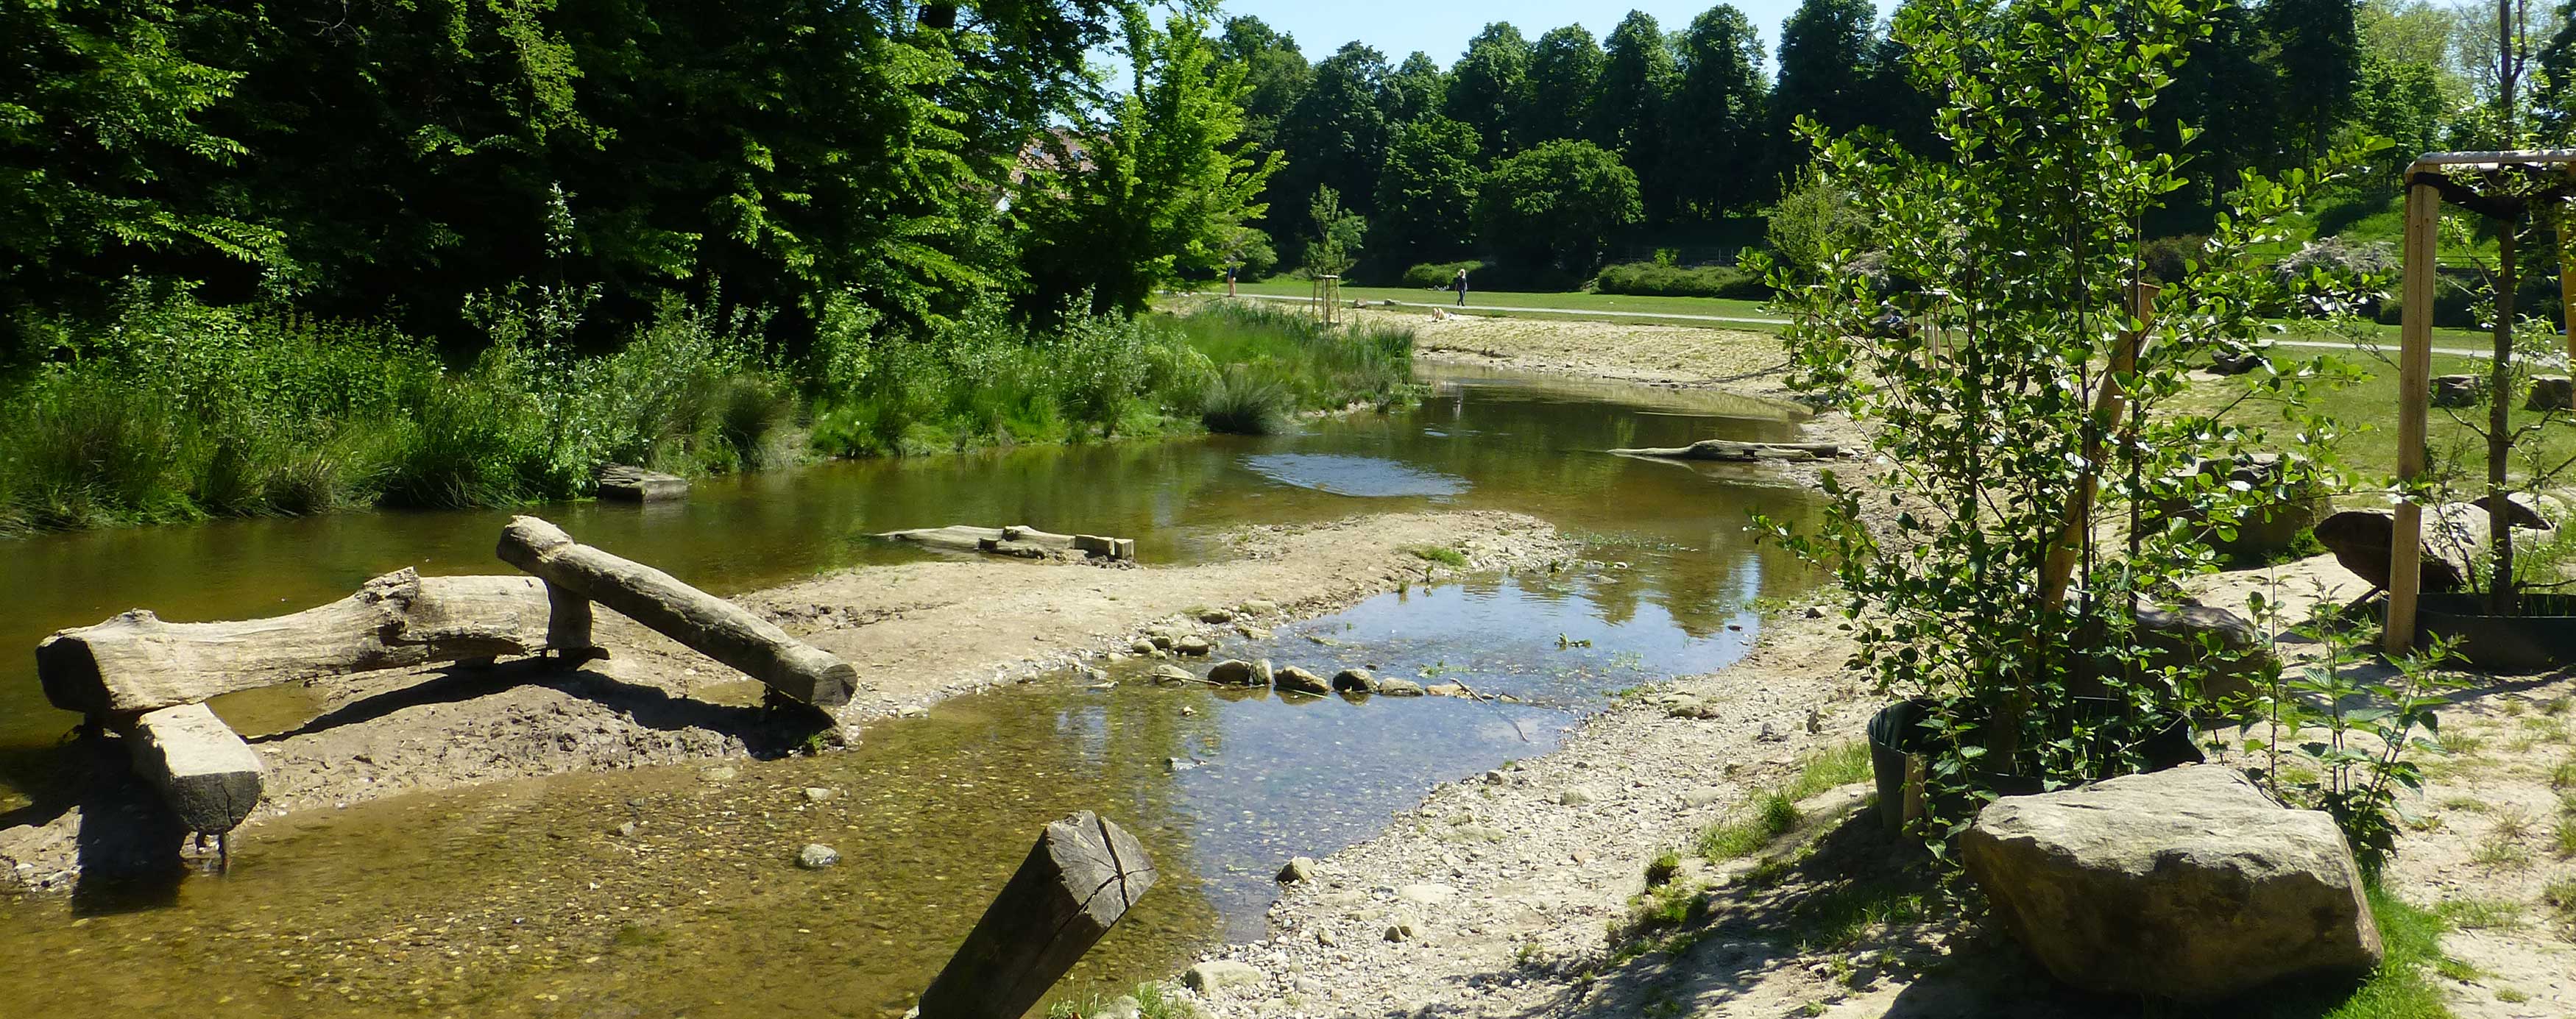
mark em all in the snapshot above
pixel 917 633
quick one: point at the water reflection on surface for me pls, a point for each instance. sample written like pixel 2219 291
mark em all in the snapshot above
pixel 527 898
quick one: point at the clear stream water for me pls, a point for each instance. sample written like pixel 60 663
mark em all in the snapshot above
pixel 523 898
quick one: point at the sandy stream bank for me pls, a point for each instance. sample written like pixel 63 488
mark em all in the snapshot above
pixel 1513 894
pixel 917 633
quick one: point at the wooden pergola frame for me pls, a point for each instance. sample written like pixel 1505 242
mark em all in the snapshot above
pixel 2429 183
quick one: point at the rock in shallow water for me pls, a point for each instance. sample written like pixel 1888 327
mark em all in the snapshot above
pixel 1236 672
pixel 1392 687
pixel 816 856
pixel 1298 870
pixel 1354 681
pixel 2187 884
pixel 1292 679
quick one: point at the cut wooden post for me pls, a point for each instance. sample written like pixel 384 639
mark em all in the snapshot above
pixel 2414 377
pixel 136 662
pixel 715 627
pixel 1084 874
pixel 210 778
pixel 2110 408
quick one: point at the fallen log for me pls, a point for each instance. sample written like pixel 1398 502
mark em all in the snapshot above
pixel 210 778
pixel 1083 874
pixel 715 627
pixel 135 662
pixel 1740 452
pixel 1015 541
pixel 635 484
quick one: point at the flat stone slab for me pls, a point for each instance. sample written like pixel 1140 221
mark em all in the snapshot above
pixel 635 484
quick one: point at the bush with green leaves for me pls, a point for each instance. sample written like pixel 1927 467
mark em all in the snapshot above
pixel 1558 204
pixel 1439 275
pixel 1663 279
pixel 2024 242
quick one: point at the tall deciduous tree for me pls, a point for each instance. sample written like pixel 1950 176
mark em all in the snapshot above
pixel 1719 145
pixel 1631 115
pixel 1275 73
pixel 2317 53
pixel 100 109
pixel 1485 85
pixel 1417 89
pixel 1426 196
pixel 1159 191
pixel 1336 135
pixel 1564 77
pixel 1824 50
pixel 1558 205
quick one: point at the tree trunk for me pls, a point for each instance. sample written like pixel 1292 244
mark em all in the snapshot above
pixel 1083 874
pixel 715 627
pixel 135 662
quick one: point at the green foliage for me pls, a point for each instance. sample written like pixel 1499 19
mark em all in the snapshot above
pixel 1444 556
pixel 1558 204
pixel 1438 275
pixel 1822 47
pixel 1814 221
pixel 1426 195
pixel 2023 239
pixel 1486 85
pixel 1337 133
pixel 1321 368
pixel 1240 401
pixel 1159 190
pixel 1556 97
pixel 2330 740
pixel 1659 279
pixel 1723 137
pixel 1275 73
pixel 1335 245
pixel 986 379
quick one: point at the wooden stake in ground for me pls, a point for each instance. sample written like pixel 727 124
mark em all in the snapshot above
pixel 1084 874
pixel 2414 397
pixel 2110 407
pixel 715 627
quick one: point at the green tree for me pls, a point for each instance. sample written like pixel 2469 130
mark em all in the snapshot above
pixel 1485 85
pixel 1275 73
pixel 1824 50
pixel 1335 245
pixel 1336 135
pixel 1719 143
pixel 1417 89
pixel 104 137
pixel 1632 113
pixel 1159 191
pixel 1426 195
pixel 2317 57
pixel 2221 98
pixel 1564 77
pixel 1557 205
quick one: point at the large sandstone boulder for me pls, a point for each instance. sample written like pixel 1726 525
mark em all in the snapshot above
pixel 2187 884
pixel 2193 634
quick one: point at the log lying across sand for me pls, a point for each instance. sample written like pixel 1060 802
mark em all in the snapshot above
pixel 1741 452
pixel 1021 541
pixel 135 662
pixel 1081 877
pixel 210 778
pixel 717 628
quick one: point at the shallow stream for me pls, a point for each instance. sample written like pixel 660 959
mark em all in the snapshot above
pixel 534 897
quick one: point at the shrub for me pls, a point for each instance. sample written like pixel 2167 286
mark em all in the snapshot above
pixel 1659 279
pixel 1241 401
pixel 1437 275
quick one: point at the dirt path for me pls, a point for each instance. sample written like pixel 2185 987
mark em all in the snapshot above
pixel 917 633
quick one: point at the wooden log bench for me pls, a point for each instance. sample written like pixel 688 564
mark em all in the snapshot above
pixel 135 662
pixel 1082 876
pixel 713 626
pixel 1019 541
pixel 1740 452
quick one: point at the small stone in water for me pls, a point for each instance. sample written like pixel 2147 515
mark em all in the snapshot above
pixel 1299 869
pixel 816 856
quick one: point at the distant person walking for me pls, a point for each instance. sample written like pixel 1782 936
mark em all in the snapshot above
pixel 1460 285
pixel 1229 280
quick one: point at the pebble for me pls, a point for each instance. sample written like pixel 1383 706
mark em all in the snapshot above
pixel 1216 616
pixel 1194 645
pixel 1217 975
pixel 1573 798
pixel 816 856
pixel 1300 869
pixel 1399 931
pixel 716 773
pixel 818 794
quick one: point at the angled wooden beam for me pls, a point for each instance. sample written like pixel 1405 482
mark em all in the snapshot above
pixel 1080 878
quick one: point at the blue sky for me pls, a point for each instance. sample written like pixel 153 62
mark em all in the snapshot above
pixel 1441 28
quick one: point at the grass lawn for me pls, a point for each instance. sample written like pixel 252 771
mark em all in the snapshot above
pixel 2368 411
